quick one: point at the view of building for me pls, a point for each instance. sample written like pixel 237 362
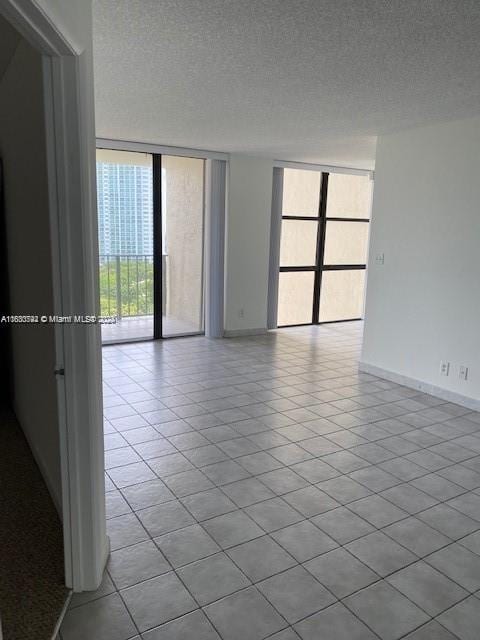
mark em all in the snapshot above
pixel 124 195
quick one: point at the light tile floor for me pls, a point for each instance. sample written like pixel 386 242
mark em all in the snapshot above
pixel 263 488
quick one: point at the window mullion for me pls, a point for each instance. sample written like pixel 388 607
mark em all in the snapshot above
pixel 322 209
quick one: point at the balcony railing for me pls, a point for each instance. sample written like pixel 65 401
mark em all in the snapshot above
pixel 126 285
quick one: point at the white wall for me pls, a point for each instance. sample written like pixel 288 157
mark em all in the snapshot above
pixel 423 304
pixel 23 151
pixel 247 242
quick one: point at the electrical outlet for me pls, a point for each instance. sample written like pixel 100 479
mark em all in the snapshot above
pixel 463 372
pixel 380 258
pixel 444 368
pixel 241 312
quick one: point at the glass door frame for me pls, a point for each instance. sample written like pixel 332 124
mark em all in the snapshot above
pixel 157 247
pixel 320 267
pixel 157 231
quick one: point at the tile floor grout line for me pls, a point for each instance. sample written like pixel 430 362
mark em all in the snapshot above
pixel 211 376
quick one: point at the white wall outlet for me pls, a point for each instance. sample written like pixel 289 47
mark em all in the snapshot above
pixel 380 258
pixel 463 372
pixel 241 312
pixel 444 368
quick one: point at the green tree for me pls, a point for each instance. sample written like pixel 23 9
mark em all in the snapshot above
pixel 128 282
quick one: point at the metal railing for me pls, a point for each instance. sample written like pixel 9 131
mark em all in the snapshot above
pixel 126 285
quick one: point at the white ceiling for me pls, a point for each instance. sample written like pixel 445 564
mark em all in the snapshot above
pixel 308 80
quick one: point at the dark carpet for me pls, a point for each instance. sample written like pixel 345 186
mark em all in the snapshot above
pixel 32 590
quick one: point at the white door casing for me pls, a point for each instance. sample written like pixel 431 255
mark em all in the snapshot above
pixel 70 134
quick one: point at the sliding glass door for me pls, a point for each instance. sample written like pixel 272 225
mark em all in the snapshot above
pixel 151 239
pixel 125 239
pixel 323 249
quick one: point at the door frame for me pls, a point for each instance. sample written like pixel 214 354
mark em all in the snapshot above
pixel 70 137
pixel 157 152
pixel 157 247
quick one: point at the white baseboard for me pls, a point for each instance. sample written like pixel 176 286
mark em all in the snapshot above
pixel 238 333
pixel 425 387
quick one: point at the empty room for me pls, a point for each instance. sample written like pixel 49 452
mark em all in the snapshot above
pixel 239 318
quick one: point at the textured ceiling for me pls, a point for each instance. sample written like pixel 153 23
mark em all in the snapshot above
pixel 308 80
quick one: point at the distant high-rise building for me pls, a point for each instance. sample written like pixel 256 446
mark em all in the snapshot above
pixel 125 209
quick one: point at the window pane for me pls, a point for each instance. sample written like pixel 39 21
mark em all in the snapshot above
pixel 301 192
pixel 295 297
pixel 346 243
pixel 182 250
pixel 125 238
pixel 298 245
pixel 341 296
pixel 349 196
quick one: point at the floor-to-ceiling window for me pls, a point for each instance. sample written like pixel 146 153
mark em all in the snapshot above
pixel 151 239
pixel 323 248
pixel 299 246
pixel 125 242
pixel 347 218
